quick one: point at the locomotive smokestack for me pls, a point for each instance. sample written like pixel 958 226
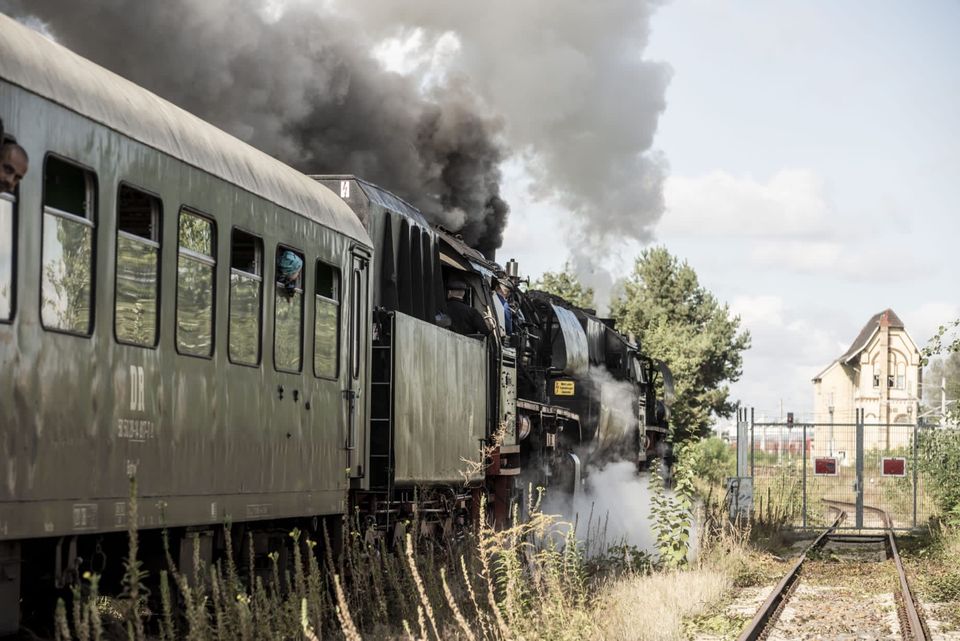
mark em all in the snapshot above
pixel 513 269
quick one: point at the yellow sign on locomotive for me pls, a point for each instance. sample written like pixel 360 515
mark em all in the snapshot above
pixel 563 388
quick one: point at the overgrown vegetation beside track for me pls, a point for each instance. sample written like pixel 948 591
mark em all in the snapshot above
pixel 529 581
pixel 533 580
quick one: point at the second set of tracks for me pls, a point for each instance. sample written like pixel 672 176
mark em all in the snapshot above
pixel 911 625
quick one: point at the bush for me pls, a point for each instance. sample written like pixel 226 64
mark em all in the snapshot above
pixel 939 453
pixel 714 460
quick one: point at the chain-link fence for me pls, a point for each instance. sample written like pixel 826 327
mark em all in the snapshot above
pixel 796 466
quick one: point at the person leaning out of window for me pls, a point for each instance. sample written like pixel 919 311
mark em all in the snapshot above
pixel 289 268
pixel 14 163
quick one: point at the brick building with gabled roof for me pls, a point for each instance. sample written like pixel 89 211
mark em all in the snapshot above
pixel 880 373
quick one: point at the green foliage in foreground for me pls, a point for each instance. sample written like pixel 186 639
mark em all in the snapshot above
pixel 679 322
pixel 672 516
pixel 940 448
pixel 939 452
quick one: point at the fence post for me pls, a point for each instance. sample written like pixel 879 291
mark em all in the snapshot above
pixel 753 447
pixel 804 474
pixel 916 436
pixel 743 444
pixel 859 468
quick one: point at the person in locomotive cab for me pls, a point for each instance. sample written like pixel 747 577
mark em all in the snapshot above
pixel 14 164
pixel 464 319
pixel 503 297
pixel 289 267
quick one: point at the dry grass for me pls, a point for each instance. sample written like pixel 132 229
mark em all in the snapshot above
pixel 530 581
pixel 673 596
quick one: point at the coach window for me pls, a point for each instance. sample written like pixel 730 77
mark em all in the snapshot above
pixel 7 206
pixel 246 286
pixel 288 319
pixel 355 339
pixel 327 322
pixel 69 206
pixel 138 267
pixel 196 267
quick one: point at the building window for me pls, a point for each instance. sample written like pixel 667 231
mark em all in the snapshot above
pixel 876 380
pixel 288 314
pixel 246 287
pixel 7 247
pixel 196 270
pixel 138 267
pixel 327 323
pixel 69 206
pixel 901 375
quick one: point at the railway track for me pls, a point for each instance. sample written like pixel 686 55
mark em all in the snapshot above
pixel 858 548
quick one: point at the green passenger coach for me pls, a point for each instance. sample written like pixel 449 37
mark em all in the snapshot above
pixel 142 331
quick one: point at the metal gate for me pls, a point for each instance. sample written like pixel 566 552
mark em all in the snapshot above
pixel 795 466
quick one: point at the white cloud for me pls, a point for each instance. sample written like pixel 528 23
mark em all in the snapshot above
pixel 790 344
pixel 855 259
pixel 788 223
pixel 758 310
pixel 792 203
pixel 922 322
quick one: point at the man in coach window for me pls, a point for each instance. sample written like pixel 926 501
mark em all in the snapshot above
pixel 14 163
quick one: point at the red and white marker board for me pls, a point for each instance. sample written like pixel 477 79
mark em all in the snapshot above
pixel 825 466
pixel 893 466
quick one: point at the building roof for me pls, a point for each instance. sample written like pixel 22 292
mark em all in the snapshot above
pixel 49 70
pixel 887 318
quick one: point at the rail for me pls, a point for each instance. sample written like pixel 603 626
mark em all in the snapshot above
pixel 778 598
pixel 911 625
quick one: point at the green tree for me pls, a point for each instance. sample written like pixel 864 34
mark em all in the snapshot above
pixel 679 322
pixel 946 344
pixel 941 370
pixel 940 448
pixel 567 286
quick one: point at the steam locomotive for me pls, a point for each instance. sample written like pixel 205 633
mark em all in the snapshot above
pixel 144 335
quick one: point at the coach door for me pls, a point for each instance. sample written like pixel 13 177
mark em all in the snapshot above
pixel 354 394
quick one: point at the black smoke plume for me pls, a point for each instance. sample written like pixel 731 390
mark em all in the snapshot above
pixel 301 84
pixel 579 101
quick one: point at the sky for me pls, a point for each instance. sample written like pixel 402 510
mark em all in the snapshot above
pixel 814 156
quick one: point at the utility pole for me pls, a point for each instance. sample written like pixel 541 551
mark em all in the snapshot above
pixel 943 399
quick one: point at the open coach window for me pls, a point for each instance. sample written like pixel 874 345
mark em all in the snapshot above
pixel 7 243
pixel 288 302
pixel 196 267
pixel 69 207
pixel 246 286
pixel 138 267
pixel 327 323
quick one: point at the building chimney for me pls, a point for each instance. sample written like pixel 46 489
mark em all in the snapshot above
pixel 885 318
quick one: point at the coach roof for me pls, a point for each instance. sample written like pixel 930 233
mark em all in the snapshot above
pixel 52 71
